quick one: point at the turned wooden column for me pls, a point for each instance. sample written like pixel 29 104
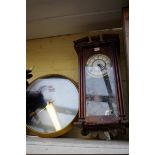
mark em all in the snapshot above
pixel 125 12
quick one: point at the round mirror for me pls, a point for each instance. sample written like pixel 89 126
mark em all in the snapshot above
pixel 52 104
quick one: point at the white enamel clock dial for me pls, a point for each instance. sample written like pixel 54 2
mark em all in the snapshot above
pixel 98 65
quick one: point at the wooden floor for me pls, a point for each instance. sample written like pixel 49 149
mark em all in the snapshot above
pixel 36 145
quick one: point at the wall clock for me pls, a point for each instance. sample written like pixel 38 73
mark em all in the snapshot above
pixel 101 102
pixel 52 105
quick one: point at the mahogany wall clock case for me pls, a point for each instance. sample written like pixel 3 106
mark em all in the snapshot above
pixel 101 102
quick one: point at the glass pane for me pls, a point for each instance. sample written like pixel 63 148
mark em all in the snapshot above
pixel 52 104
pixel 100 86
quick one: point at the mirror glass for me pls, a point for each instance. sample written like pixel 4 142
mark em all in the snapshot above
pixel 52 104
pixel 100 86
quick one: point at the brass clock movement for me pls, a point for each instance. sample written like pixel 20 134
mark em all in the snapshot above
pixel 101 101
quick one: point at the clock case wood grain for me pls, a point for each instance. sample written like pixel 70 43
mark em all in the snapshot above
pixel 110 46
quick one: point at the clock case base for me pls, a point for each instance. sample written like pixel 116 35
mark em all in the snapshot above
pixel 86 127
pixel 99 123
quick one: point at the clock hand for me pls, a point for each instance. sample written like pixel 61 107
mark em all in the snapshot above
pixel 109 89
pixel 53 115
pixel 108 86
pixel 101 67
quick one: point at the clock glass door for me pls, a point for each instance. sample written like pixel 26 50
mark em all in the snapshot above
pixel 100 86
